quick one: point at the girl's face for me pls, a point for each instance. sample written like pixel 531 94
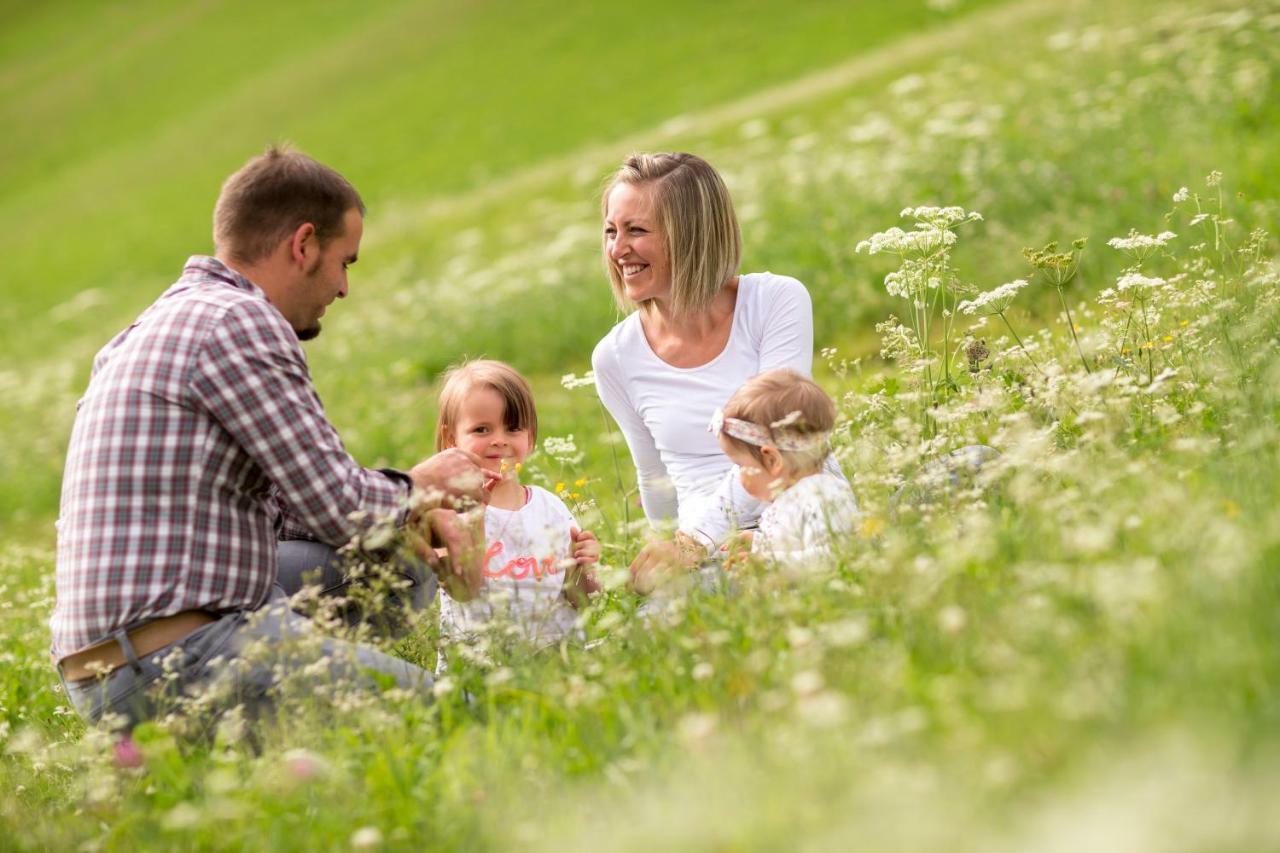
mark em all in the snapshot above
pixel 633 244
pixel 481 428
pixel 762 480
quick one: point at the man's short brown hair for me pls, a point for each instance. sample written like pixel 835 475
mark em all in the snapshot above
pixel 271 196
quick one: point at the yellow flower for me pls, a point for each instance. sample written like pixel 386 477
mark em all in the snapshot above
pixel 1168 339
pixel 575 496
pixel 872 526
pixel 1185 323
pixel 580 482
pixel 559 488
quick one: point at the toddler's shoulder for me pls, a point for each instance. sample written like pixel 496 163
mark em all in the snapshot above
pixel 546 502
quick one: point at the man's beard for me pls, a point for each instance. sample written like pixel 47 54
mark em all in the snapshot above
pixel 309 333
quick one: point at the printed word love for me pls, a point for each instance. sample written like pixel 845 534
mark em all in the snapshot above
pixel 520 567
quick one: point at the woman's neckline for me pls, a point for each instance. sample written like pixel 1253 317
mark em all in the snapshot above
pixel 733 328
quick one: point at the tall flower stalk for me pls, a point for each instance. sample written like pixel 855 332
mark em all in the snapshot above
pixel 1058 269
pixel 929 284
pixel 994 303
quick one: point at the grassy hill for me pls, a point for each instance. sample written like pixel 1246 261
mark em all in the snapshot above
pixel 1083 661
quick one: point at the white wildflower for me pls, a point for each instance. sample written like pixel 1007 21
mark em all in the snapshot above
pixel 895 241
pixel 694 729
pixel 897 284
pixel 1141 242
pixel 560 449
pixel 366 837
pixel 823 709
pixel 807 683
pixel 1130 281
pixel 993 301
pixel 952 619
pixel 1181 195
pixel 941 217
pixel 572 381
pixel 907 85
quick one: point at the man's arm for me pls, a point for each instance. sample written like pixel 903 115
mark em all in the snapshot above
pixel 253 379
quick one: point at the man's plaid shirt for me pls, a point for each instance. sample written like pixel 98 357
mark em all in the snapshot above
pixel 200 432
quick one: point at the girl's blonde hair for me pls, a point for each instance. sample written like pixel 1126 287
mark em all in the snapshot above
pixel 784 402
pixel 696 220
pixel 460 380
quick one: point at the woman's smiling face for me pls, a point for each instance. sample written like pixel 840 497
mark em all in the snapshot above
pixel 633 243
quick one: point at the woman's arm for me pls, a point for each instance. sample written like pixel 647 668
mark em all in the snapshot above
pixel 786 327
pixel 657 494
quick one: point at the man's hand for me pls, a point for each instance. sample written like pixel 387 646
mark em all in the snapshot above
pixel 659 559
pixel 453 479
pixel 459 563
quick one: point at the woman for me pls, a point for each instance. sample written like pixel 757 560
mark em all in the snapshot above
pixel 697 330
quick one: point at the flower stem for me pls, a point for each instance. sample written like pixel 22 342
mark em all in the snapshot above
pixel 1021 346
pixel 1071 324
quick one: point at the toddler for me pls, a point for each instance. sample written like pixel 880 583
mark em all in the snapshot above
pixel 537 563
pixel 776 429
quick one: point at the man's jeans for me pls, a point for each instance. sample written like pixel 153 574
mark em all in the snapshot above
pixel 240 659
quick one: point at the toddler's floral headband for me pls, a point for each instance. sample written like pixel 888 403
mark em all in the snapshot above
pixel 763 437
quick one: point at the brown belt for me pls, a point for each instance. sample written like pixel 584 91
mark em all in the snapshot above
pixel 154 635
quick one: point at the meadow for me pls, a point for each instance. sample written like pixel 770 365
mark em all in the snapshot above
pixel 1073 648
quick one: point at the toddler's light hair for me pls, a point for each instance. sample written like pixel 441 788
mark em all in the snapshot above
pixel 785 403
pixel 518 411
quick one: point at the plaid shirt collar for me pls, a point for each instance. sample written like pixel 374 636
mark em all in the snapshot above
pixel 205 267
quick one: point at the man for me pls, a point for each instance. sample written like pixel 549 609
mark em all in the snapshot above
pixel 199 438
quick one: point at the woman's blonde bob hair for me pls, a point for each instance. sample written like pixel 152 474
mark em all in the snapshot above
pixel 696 221
pixel 461 380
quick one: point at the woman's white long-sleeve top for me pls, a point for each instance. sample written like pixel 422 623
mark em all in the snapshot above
pixel 664 410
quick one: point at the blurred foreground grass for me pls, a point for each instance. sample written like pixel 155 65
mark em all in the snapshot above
pixel 1080 654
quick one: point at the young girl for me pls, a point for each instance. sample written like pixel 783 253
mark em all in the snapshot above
pixel 776 429
pixel 537 563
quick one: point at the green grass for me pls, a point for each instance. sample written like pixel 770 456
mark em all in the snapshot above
pixel 1081 656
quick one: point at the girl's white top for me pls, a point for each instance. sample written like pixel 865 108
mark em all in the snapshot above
pixel 528 551
pixel 664 411
pixel 803 523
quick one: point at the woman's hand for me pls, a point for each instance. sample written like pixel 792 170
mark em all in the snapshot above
pixel 737 550
pixel 657 560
